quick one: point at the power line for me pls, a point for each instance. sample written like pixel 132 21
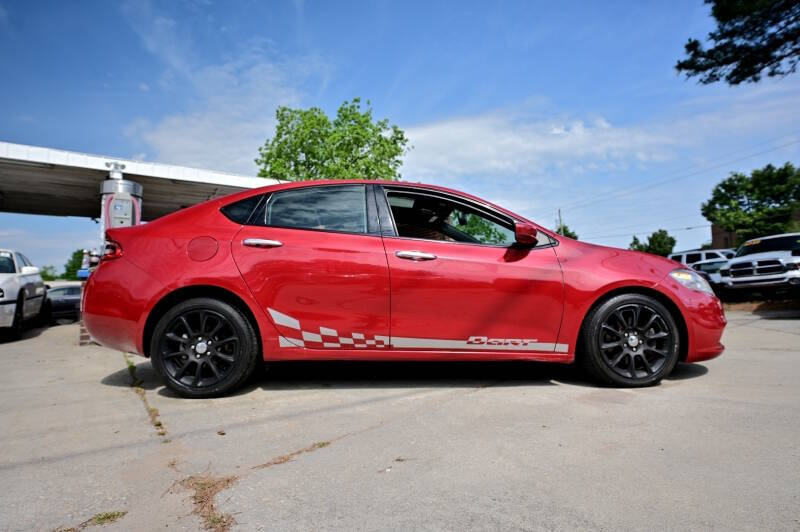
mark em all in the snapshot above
pixel 652 231
pixel 679 174
pixel 634 226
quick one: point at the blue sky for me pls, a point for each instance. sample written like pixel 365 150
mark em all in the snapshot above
pixel 537 106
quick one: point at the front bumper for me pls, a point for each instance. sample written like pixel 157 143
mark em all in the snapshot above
pixel 7 309
pixel 787 279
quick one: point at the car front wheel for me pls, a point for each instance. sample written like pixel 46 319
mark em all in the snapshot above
pixel 204 347
pixel 631 340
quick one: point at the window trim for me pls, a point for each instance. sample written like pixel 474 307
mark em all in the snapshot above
pixel 477 206
pixel 268 195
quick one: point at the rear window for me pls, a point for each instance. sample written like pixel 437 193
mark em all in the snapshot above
pixel 240 211
pixel 783 243
pixel 340 208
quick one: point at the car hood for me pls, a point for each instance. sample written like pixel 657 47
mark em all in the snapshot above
pixel 626 264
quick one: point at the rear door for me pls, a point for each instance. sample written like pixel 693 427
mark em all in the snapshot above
pixel 460 284
pixel 314 260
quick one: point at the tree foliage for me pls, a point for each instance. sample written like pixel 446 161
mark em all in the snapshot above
pixel 309 145
pixel 751 37
pixel 658 243
pixel 756 205
pixel 73 265
pixel 562 229
pixel 48 273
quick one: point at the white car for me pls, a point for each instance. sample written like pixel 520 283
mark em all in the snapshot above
pixel 701 255
pixel 22 291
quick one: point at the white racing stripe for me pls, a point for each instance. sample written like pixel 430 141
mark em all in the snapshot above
pixel 328 338
pixel 435 343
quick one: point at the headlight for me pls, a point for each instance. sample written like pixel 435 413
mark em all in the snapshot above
pixel 692 281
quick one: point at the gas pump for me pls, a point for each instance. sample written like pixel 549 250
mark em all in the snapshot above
pixel 122 200
pixel 120 206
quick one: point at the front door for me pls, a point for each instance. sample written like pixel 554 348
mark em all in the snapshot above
pixel 309 259
pixel 460 284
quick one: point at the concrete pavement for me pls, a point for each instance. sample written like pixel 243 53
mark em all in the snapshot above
pixel 398 446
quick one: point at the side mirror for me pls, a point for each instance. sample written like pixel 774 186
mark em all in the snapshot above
pixel 29 270
pixel 525 234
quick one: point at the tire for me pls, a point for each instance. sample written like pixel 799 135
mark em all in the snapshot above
pixel 204 347
pixel 630 341
pixel 45 317
pixel 17 326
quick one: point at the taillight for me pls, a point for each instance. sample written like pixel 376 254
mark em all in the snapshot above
pixel 112 250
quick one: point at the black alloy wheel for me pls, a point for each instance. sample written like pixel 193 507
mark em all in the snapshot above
pixel 630 340
pixel 203 348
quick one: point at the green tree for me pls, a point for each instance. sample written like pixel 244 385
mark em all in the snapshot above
pixel 751 37
pixel 658 243
pixel 48 273
pixel 73 265
pixel 308 145
pixel 756 205
pixel 562 229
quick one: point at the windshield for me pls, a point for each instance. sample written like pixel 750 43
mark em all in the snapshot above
pixel 6 262
pixel 783 243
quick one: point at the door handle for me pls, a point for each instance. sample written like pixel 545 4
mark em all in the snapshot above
pixel 262 243
pixel 414 255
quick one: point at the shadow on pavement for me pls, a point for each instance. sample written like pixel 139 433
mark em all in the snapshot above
pixel 686 371
pixel 316 375
pixel 31 332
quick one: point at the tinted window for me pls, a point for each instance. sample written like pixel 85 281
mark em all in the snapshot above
pixel 240 211
pixel 693 257
pixel 6 262
pixel 420 215
pixel 57 292
pixel 784 243
pixel 712 255
pixel 678 258
pixel 332 208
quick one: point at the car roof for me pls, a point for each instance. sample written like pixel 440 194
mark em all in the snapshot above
pixel 773 236
pixel 405 184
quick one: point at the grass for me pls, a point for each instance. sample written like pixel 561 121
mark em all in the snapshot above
pixel 205 490
pixel 152 412
pixel 291 456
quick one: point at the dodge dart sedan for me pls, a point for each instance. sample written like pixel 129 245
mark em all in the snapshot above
pixel 366 270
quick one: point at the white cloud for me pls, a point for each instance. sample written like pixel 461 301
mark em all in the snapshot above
pixel 505 144
pixel 232 104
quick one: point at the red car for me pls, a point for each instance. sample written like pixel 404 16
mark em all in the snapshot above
pixel 386 271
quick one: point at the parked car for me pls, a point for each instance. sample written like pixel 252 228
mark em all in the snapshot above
pixel 64 302
pixel 709 269
pixel 21 291
pixel 771 263
pixel 700 255
pixel 370 270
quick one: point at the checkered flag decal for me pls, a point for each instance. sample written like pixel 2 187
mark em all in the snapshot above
pixel 293 335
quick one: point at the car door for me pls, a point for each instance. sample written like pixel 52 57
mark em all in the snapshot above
pixel 31 285
pixel 458 281
pixel 314 260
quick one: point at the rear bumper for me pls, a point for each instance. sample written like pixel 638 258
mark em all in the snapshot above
pixel 116 299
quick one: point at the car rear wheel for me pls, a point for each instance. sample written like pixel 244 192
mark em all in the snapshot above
pixel 631 340
pixel 204 347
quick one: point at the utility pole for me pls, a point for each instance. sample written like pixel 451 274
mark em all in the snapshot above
pixel 560 223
